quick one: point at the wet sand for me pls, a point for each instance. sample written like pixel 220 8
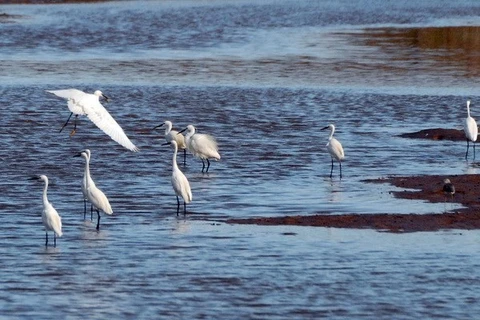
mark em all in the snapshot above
pixel 427 188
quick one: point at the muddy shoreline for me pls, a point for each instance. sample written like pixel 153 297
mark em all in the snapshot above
pixel 427 187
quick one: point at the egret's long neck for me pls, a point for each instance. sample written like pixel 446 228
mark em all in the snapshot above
pixel 168 128
pixel 174 159
pixel 87 169
pixel 331 134
pixel 45 199
pixel 190 133
pixel 468 108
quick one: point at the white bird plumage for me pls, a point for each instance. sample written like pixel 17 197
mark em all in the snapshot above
pixel 171 135
pixel 81 103
pixel 50 218
pixel 94 195
pixel 203 146
pixel 180 183
pixel 334 148
pixel 471 130
pixel 85 183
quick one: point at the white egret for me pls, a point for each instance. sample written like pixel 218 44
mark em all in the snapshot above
pixel 171 135
pixel 203 146
pixel 81 103
pixel 94 195
pixel 471 130
pixel 180 183
pixel 50 217
pixel 334 147
pixel 84 188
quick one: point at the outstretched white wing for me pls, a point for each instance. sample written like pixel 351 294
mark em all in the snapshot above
pixel 88 104
pixel 68 93
pixel 73 96
pixel 99 115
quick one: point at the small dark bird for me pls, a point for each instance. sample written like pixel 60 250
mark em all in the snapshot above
pixel 448 188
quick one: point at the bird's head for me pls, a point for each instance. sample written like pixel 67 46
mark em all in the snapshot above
pixel 331 126
pixel 85 153
pixel 40 177
pixel 167 124
pixel 100 94
pixel 189 128
pixel 160 125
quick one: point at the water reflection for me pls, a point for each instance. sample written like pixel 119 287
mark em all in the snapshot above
pixel 442 49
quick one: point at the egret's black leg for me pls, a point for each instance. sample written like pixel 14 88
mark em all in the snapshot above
pixel 74 125
pixel 46 239
pixel 203 165
pixel 208 161
pixel 331 170
pixel 473 150
pixel 66 122
pixel 98 221
pixel 184 208
pixel 54 239
pixel 466 154
pixel 184 157
pixel 340 162
pixel 91 212
pixel 178 205
pixel 84 208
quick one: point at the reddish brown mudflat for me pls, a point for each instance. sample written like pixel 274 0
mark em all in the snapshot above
pixel 427 188
pixel 437 134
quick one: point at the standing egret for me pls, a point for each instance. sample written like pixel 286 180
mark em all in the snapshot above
pixel 202 146
pixel 94 195
pixel 86 177
pixel 334 147
pixel 50 218
pixel 180 184
pixel 471 130
pixel 171 135
pixel 81 103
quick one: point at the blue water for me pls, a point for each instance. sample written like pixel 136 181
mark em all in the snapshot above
pixel 263 79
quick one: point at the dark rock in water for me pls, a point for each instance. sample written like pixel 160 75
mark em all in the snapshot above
pixel 436 134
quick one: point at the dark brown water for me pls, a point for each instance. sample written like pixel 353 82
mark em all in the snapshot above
pixel 263 79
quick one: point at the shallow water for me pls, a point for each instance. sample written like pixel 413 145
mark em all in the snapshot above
pixel 263 79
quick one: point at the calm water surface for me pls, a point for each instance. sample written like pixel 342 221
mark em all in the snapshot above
pixel 264 79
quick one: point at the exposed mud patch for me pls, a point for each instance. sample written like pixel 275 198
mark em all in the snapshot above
pixel 419 187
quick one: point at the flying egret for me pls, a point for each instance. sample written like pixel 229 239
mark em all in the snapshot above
pixel 84 188
pixel 50 218
pixel 171 135
pixel 202 146
pixel 180 184
pixel 94 195
pixel 81 103
pixel 334 147
pixel 471 130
